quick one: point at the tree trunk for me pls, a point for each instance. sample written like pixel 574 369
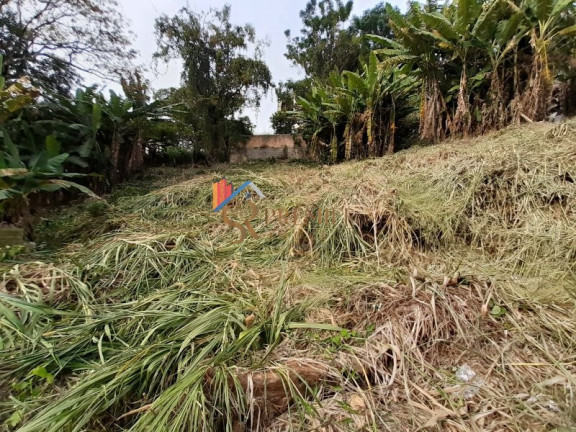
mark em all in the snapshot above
pixel 433 112
pixel 135 162
pixel 348 139
pixel 370 133
pixel 495 116
pixel 115 157
pixel 571 98
pixel 334 146
pixel 536 100
pixel 392 135
pixel 462 120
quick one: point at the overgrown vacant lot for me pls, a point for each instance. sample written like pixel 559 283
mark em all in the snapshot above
pixel 147 317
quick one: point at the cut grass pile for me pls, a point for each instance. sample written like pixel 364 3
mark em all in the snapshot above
pixel 148 317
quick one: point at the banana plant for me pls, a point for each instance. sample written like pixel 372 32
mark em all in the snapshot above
pixel 340 104
pixel 22 176
pixel 498 33
pixel 379 91
pixel 452 30
pixel 44 172
pixel 414 50
pixel 313 119
pixel 546 24
pixel 79 120
pixel 366 87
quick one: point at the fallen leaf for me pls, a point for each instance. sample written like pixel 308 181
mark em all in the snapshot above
pixel 357 403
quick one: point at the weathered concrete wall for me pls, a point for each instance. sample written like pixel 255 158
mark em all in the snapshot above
pixel 268 146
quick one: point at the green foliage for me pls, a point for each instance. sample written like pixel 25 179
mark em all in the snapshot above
pixel 8 253
pixel 14 98
pixel 97 208
pixel 223 73
pixel 482 65
pixel 283 122
pixel 25 174
pixel 165 344
pixel 110 135
pixel 373 21
pixel 49 142
pixel 498 311
pixel 325 44
pixel 330 42
pixel 178 156
pixel 286 119
pixel 357 113
pixel 43 172
pixel 288 93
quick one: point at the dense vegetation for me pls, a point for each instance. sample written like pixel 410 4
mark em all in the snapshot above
pixel 52 134
pixel 475 65
pixel 219 77
pixel 431 289
pixel 467 67
pixel 483 65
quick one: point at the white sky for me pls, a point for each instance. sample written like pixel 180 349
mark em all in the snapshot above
pixel 269 17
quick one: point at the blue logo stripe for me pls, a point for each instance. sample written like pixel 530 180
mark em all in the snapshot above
pixel 231 197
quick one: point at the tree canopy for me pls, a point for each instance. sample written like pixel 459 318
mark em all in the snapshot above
pixel 223 72
pixel 53 41
pixel 324 43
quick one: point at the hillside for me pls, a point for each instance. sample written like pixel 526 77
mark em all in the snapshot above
pixel 143 314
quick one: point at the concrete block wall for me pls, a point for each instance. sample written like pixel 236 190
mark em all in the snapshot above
pixel 268 146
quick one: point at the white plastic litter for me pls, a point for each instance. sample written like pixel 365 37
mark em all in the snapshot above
pixel 539 399
pixel 552 406
pixel 465 374
pixel 468 376
pixel 471 390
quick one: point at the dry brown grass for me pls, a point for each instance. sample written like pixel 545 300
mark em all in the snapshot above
pixel 402 376
pixel 457 254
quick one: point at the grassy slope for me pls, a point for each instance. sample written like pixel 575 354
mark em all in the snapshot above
pixel 440 256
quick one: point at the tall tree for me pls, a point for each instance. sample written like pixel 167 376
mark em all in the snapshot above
pixel 375 21
pixel 51 41
pixel 223 72
pixel 325 43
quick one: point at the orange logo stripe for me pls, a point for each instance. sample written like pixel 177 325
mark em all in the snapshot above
pixel 220 192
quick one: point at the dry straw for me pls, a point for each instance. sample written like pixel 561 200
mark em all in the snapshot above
pixel 459 254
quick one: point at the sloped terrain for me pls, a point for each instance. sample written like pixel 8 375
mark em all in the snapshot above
pixel 431 290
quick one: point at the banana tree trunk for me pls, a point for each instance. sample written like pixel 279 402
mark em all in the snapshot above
pixel 115 156
pixel 571 97
pixel 135 161
pixel 334 146
pixel 348 139
pixel 537 97
pixel 370 132
pixel 462 120
pixel 432 112
pixel 392 130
